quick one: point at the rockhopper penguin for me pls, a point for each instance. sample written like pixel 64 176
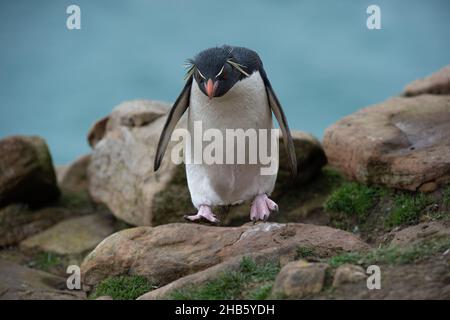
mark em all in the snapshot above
pixel 227 88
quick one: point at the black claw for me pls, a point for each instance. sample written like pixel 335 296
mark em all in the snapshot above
pixel 265 217
pixel 254 220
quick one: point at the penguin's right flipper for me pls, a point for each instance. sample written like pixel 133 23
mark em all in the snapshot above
pixel 178 109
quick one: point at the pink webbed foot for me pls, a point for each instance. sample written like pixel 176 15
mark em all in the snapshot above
pixel 204 212
pixel 261 208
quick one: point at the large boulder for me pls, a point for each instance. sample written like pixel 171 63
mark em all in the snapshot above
pixel 121 167
pixel 402 143
pixel 437 83
pixel 168 252
pixel 26 171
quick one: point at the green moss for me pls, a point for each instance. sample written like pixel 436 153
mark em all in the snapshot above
pixel 171 204
pixel 251 281
pixel 392 255
pixel 407 209
pixel 45 261
pixel 446 196
pixel 122 287
pixel 75 200
pixel 261 293
pixel 304 252
pixel 352 199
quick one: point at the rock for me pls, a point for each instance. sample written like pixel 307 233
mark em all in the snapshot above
pixel 18 222
pixel 419 233
pixel 437 83
pixel 276 255
pixel 26 171
pixel 348 273
pixel 426 280
pixel 104 298
pixel 299 279
pixel 97 131
pixel 21 283
pixel 401 143
pixel 428 187
pixel 121 170
pixel 184 249
pixel 72 236
pixel 310 159
pixel 73 177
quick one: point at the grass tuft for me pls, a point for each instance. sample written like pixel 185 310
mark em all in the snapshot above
pixel 407 209
pixel 122 287
pixel 45 261
pixel 305 252
pixel 446 196
pixel 392 255
pixel 352 199
pixel 251 281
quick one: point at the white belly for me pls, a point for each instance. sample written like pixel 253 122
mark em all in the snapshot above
pixel 245 106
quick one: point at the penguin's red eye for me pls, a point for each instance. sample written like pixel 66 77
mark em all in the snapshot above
pixel 224 75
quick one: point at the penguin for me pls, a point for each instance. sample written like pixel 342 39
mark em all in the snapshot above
pixel 228 88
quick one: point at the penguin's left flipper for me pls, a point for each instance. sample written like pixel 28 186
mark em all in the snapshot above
pixel 178 109
pixel 282 121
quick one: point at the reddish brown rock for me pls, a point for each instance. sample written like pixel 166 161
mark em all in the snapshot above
pixel 168 252
pixel 402 143
pixel 26 172
pixel 437 83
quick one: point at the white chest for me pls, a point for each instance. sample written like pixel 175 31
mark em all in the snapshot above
pixel 243 106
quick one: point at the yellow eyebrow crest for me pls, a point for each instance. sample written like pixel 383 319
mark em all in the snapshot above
pixel 201 75
pixel 220 72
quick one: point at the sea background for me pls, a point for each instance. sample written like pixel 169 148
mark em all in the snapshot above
pixel 322 60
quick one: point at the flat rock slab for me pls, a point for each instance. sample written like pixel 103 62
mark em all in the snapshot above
pixel 401 143
pixel 18 222
pixel 169 252
pixel 419 233
pixel 21 283
pixel 72 236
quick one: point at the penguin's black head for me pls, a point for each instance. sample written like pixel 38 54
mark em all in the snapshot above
pixel 216 71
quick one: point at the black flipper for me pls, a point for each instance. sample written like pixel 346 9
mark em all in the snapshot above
pixel 282 121
pixel 178 109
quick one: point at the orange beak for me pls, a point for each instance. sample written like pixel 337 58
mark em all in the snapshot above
pixel 210 87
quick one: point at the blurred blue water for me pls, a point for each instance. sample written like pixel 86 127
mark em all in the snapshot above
pixel 322 60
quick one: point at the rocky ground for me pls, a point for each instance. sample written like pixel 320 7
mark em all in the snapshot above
pixel 376 192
